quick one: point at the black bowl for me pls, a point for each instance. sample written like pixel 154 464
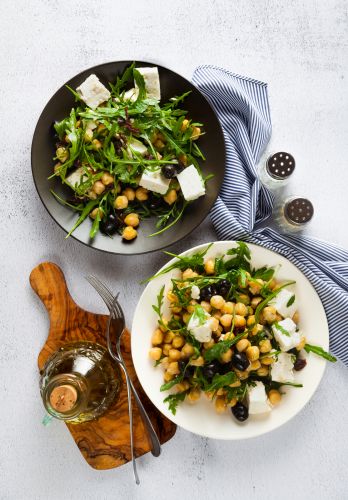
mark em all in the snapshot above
pixel 43 151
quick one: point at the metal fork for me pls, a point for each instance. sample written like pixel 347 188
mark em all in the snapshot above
pixel 107 296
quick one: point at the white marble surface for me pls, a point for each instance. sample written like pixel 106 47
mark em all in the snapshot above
pixel 300 48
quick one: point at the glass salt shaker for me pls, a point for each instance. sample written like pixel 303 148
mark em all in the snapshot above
pixel 293 214
pixel 275 172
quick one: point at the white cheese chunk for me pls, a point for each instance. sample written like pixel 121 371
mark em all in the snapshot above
pixel 76 177
pixel 131 95
pixel 201 331
pixel 282 369
pixel 280 303
pixel 258 402
pixel 286 335
pixel 93 92
pixel 136 146
pixel 153 180
pixel 195 292
pixel 191 183
pixel 152 82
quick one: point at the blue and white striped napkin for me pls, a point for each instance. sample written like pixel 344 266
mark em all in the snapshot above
pixel 242 107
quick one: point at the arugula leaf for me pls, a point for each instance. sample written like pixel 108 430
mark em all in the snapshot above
pixel 200 314
pixel 220 381
pixel 268 299
pixel 264 273
pixel 121 81
pixel 85 212
pixel 278 385
pixel 241 257
pixel 281 329
pixel 140 82
pixel 220 348
pixel 290 301
pixel 173 400
pixel 319 351
pixel 171 383
pixel 160 298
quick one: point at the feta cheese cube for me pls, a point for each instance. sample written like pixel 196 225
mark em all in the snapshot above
pixel 131 95
pixel 195 292
pixel 282 369
pixel 153 180
pixel 285 334
pixel 280 303
pixel 134 145
pixel 93 92
pixel 201 332
pixel 76 177
pixel 152 82
pixel 191 183
pixel 258 402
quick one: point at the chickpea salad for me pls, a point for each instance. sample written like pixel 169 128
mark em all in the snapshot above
pixel 125 156
pixel 233 334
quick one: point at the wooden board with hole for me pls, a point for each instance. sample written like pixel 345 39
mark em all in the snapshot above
pixel 104 443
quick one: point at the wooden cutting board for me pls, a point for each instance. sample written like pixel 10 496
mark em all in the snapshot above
pixel 104 443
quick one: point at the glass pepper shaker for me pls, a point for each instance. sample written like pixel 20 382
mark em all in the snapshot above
pixel 275 172
pixel 293 214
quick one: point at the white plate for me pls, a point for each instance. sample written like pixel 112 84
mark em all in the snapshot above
pixel 201 418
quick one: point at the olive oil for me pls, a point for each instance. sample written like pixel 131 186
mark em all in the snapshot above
pixel 79 382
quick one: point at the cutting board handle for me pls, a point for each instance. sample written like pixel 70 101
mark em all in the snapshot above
pixel 48 281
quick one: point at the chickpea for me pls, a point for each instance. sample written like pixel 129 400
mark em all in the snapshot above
pixel 182 386
pixel 62 154
pixel 217 301
pixel 187 351
pixel 178 341
pixel 194 395
pixel 188 273
pixel 157 337
pixel 226 320
pixel 132 219
pixel 255 286
pixel 184 125
pixel 192 305
pixel 96 144
pixel 239 321
pixel 265 346
pixel 255 301
pixel 141 194
pixel 244 299
pixel 176 309
pixel 198 361
pixel 255 365
pixel 251 320
pixel 92 195
pixel 208 345
pixel 226 356
pixel 186 318
pixel 229 336
pixel 94 213
pixel 232 402
pixel 237 383
pixel 169 336
pixel 296 317
pixel 242 375
pixel 129 233
pixel 196 132
pixel 168 376
pixel 206 306
pixel 228 308
pixel 173 368
pixel 172 297
pixel 301 344
pixel 250 311
pixel 166 348
pixel 273 285
pixel 268 360
pixel 155 353
pixel 253 353
pixel 220 404
pixel 129 193
pixel 209 266
pixel 217 315
pixel 98 187
pixel 170 197
pixel 241 309
pixel 256 329
pixel 165 362
pixel 242 345
pixel 107 179
pixel 214 324
pixel 121 202
pixel 159 144
pixel 269 314
pixel 263 371
pixel 88 135
pixel 274 397
pixel 163 325
pixel 183 159
pixel 174 354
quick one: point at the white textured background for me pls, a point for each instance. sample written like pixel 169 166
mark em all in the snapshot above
pixel 300 48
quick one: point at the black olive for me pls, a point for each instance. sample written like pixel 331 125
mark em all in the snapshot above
pixel 226 367
pixel 169 171
pixel 214 290
pixel 240 411
pixel 299 364
pixel 212 369
pixel 155 202
pixel 110 224
pixel 223 291
pixel 189 372
pixel 206 293
pixel 240 361
pixel 224 283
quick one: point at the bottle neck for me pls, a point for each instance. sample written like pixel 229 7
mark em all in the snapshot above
pixel 64 396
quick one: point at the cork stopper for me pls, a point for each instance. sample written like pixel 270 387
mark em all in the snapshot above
pixel 63 398
pixel 280 165
pixel 298 211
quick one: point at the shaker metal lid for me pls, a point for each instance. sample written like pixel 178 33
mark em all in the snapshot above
pixel 63 398
pixel 298 210
pixel 280 165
